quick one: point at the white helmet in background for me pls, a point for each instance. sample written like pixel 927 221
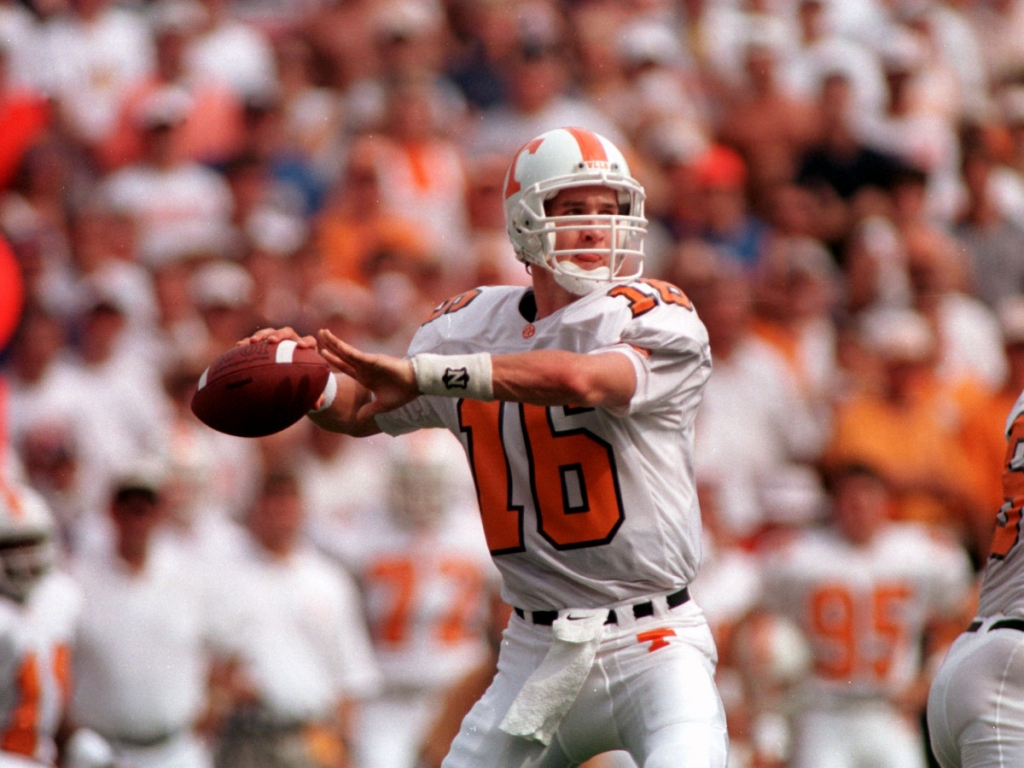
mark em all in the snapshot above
pixel 561 159
pixel 27 531
pixel 423 477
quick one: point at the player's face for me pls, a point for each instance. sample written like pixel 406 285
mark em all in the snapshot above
pixel 584 201
pixel 861 503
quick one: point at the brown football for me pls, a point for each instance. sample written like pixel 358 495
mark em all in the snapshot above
pixel 259 389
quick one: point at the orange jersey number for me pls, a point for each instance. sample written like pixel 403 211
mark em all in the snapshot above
pixel 842 625
pixel 642 302
pixel 21 735
pixel 573 480
pixel 403 581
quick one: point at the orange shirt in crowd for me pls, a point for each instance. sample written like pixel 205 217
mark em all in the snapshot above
pixel 24 116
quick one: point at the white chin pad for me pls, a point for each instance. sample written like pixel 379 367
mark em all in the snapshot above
pixel 579 281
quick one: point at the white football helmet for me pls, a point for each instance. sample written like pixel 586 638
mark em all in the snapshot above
pixel 27 530
pixel 561 159
pixel 423 477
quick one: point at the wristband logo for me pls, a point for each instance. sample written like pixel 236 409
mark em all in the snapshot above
pixel 455 378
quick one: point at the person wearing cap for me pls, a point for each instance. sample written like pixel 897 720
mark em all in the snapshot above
pixel 108 392
pixel 729 221
pixel 211 126
pixel 151 626
pixel 899 428
pixel 307 658
pixel 180 207
pixel 223 292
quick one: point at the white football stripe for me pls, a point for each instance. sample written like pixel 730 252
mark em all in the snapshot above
pixel 202 379
pixel 285 351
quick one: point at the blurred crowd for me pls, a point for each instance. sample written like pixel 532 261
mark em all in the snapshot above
pixel 838 185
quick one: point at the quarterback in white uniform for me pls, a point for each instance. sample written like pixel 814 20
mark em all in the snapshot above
pixel 574 400
pixel 39 608
pixel 976 701
pixel 864 591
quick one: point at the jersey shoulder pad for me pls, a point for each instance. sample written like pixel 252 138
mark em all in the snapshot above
pixel 464 317
pixel 658 315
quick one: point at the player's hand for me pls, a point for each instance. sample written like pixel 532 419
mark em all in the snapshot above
pixel 274 335
pixel 390 379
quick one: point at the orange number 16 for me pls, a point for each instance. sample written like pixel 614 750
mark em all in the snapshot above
pixel 573 480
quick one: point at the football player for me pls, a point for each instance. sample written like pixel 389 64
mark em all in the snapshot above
pixel 426 580
pixel 870 595
pixel 574 399
pixel 39 607
pixel 976 701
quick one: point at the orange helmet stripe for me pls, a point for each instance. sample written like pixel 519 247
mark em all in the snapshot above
pixel 590 146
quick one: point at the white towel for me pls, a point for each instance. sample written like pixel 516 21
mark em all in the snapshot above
pixel 552 688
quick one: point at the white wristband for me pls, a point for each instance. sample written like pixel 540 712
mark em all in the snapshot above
pixel 466 376
pixel 330 392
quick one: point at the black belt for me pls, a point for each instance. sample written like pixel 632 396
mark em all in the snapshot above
pixel 640 610
pixel 1017 624
pixel 144 742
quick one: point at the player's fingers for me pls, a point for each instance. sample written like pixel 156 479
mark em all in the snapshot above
pixel 342 349
pixel 275 335
pixel 337 362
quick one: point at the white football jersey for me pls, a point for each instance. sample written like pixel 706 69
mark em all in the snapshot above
pixel 35 666
pixel 581 507
pixel 864 609
pixel 1001 591
pixel 426 594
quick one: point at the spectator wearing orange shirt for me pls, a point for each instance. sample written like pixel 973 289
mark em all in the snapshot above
pixel 908 432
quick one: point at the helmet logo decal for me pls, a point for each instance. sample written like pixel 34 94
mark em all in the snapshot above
pixel 13 502
pixel 590 147
pixel 513 185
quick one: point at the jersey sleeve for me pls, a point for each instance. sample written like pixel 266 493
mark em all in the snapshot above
pixel 669 348
pixel 419 414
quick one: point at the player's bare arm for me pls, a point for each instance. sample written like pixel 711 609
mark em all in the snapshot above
pixel 541 377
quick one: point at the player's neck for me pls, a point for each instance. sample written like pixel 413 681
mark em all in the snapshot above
pixel 549 295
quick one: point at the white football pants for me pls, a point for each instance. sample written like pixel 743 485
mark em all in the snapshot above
pixel 650 691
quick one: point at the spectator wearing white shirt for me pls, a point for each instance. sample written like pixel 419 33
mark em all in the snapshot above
pixel 90 59
pixel 152 624
pixel 307 657
pixel 756 429
pixel 180 207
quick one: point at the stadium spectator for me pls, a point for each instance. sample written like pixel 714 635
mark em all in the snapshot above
pixel 755 427
pixel 151 626
pixel 907 427
pixel 988 228
pixel 89 57
pixel 211 128
pixel 306 657
pixel 181 208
